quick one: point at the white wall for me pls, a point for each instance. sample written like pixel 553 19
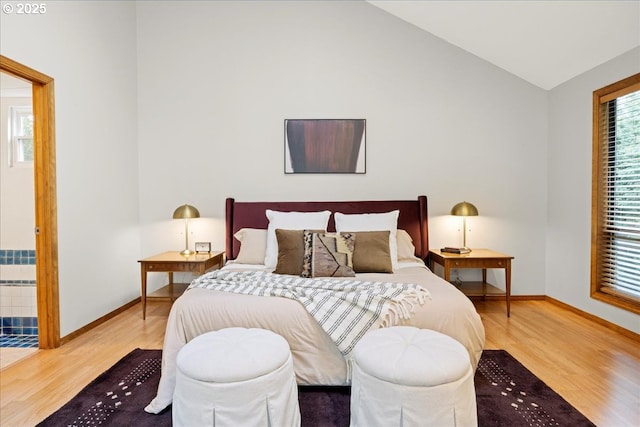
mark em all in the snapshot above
pixel 217 80
pixel 569 217
pixel 89 48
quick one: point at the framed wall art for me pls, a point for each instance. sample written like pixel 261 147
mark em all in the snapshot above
pixel 325 146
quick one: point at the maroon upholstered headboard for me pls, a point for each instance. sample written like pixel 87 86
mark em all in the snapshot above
pixel 412 218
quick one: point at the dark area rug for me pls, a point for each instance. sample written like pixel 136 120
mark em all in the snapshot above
pixel 507 395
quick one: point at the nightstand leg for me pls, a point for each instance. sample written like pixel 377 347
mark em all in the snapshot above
pixel 507 272
pixel 143 294
pixel 170 274
pixel 484 284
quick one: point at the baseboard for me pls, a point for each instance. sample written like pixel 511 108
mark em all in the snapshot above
pixel 600 321
pixel 98 321
pixel 513 298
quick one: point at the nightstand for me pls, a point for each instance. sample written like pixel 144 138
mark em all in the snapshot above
pixel 477 258
pixel 171 262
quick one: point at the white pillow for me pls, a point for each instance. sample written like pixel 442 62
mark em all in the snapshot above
pixel 290 221
pixel 372 222
pixel 406 249
pixel 253 245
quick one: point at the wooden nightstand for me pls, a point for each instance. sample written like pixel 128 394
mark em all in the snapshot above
pixel 171 262
pixel 477 258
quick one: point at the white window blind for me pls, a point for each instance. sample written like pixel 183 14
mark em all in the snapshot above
pixel 617 193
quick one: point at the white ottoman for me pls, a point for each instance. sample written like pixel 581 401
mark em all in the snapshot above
pixel 235 377
pixel 405 376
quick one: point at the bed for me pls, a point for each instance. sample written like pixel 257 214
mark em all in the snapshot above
pixel 317 358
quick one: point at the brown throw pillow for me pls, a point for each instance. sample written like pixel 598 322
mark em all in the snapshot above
pixel 290 251
pixel 371 253
pixel 327 255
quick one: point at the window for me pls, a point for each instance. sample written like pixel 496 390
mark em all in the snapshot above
pixel 21 136
pixel 615 236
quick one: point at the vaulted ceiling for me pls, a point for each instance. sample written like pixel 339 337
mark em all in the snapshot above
pixel 543 42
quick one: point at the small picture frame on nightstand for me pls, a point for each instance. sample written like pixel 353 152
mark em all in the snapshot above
pixel 203 247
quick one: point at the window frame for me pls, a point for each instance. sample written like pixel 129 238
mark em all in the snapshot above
pixel 602 96
pixel 17 138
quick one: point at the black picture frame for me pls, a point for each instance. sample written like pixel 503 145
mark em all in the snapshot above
pixel 325 146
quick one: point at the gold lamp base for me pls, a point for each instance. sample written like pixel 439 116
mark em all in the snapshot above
pixel 187 252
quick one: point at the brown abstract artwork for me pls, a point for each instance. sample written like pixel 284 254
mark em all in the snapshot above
pixel 325 146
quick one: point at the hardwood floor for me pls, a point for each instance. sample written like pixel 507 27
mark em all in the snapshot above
pixel 597 370
pixel 32 389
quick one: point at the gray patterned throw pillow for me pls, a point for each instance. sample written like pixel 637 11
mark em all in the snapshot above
pixel 328 254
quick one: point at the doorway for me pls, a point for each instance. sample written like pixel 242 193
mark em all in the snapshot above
pixel 45 200
pixel 18 309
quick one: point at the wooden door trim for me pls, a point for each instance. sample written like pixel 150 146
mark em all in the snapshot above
pixel 45 201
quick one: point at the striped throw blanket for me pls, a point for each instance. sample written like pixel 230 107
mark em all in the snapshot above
pixel 345 308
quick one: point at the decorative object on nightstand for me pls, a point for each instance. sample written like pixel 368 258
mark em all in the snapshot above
pixel 202 247
pixel 186 212
pixel 463 209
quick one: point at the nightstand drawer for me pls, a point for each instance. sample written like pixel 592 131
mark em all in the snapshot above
pixel 161 266
pixel 479 263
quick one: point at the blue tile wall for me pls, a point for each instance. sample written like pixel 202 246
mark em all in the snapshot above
pixel 18 325
pixel 17 257
pixel 19 341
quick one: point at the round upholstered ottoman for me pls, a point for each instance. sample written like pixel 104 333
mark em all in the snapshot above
pixel 235 377
pixel 405 376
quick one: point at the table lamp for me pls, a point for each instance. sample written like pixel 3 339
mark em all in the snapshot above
pixel 464 209
pixel 186 212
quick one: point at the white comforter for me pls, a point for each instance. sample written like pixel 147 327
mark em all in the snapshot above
pixel 317 360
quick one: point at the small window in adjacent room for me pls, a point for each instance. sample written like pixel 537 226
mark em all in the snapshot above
pixel 615 221
pixel 21 136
